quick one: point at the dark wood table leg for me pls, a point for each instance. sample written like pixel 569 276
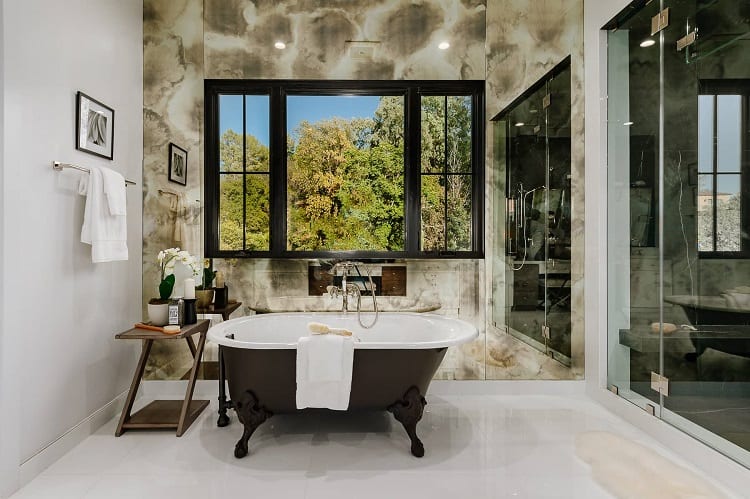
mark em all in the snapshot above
pixel 183 421
pixel 223 405
pixel 140 368
pixel 191 345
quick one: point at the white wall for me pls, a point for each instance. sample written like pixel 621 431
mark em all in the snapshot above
pixel 62 311
pixel 8 444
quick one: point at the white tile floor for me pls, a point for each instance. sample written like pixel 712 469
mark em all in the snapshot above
pixel 476 446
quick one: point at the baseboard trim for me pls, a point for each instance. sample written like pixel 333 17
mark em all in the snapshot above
pixel 509 387
pixel 42 460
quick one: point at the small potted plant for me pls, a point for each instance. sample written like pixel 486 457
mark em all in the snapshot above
pixel 158 308
pixel 204 293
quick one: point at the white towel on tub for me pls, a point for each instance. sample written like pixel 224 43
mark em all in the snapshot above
pixel 324 371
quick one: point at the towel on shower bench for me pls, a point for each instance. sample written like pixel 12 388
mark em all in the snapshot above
pixel 324 371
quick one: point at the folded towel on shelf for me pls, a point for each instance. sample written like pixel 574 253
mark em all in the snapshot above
pixel 106 233
pixel 114 189
pixel 324 371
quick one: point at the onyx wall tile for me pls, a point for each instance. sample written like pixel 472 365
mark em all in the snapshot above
pixel 186 41
pixel 525 40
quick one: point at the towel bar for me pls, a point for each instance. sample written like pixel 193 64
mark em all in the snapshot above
pixel 59 167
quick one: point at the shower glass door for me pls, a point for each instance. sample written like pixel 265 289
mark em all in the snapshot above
pixel 535 133
pixel 635 270
pixel 706 62
pixel 679 179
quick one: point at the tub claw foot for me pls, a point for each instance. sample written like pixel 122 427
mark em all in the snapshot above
pixel 251 414
pixel 408 412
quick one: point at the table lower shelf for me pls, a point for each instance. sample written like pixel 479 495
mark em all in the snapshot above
pixel 164 414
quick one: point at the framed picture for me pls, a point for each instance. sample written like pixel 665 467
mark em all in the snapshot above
pixel 177 164
pixel 95 126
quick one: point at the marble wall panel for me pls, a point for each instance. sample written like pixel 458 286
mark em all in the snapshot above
pixel 172 112
pixel 525 40
pixel 186 41
pixel 403 35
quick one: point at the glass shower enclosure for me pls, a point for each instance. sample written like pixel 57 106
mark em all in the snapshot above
pixel 678 215
pixel 534 136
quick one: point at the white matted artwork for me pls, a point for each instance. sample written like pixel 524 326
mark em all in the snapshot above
pixel 177 164
pixel 95 126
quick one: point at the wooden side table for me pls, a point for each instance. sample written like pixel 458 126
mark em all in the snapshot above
pixel 178 414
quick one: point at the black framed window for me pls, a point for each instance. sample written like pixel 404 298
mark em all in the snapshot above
pixel 344 169
pixel 723 207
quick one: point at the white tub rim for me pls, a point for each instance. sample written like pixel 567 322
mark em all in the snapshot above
pixel 458 331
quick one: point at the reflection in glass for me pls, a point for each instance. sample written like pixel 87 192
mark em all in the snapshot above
pixel 705 212
pixel 728 136
pixel 706 133
pixel 728 216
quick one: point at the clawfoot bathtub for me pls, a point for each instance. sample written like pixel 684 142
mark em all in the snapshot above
pixel 393 364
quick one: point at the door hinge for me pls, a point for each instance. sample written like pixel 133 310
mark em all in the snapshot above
pixel 614 389
pixel 545 332
pixel 546 101
pixel 651 409
pixel 686 41
pixel 660 383
pixel 660 21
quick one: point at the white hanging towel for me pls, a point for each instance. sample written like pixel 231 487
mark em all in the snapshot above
pixel 324 371
pixel 105 231
pixel 114 189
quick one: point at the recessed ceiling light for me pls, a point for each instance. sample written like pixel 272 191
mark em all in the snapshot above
pixel 444 45
pixel 628 123
pixel 280 45
pixel 647 42
pixel 520 123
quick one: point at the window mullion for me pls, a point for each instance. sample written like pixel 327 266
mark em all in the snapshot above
pixel 277 175
pixel 413 177
pixel 445 173
pixel 244 172
pixel 715 176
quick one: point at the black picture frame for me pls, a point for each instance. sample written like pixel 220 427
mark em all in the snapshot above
pixel 177 164
pixel 95 127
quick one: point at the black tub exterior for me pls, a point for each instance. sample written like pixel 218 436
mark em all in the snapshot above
pixel 262 382
pixel 379 377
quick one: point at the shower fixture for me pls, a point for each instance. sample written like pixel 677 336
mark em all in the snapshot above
pixel 521 222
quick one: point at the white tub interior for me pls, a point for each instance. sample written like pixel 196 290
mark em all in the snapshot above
pixel 392 330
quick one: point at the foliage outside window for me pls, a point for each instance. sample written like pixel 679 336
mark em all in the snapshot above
pixel 350 169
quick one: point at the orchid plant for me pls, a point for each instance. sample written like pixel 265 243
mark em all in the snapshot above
pixel 167 260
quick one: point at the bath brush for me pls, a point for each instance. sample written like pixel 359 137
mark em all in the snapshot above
pixel 318 328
